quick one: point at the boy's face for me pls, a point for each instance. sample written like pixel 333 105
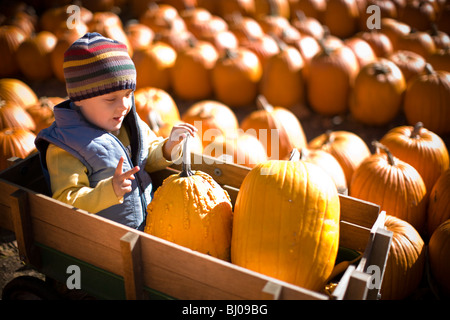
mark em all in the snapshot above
pixel 107 111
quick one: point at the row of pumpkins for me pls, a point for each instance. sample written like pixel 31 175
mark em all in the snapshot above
pixel 408 175
pixel 294 59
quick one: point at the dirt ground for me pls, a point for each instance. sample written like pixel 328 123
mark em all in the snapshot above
pixel 10 264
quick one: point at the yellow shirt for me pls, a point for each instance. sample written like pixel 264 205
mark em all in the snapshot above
pixel 70 183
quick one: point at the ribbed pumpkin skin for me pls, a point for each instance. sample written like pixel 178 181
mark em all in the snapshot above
pixel 439 202
pixel 286 224
pixel 439 253
pixel 398 189
pixel 406 260
pixel 194 212
pixel 426 152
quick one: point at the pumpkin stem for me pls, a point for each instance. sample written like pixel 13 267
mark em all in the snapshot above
pixel 429 69
pixel 380 68
pixel 325 49
pixel 186 161
pixel 263 104
pixel 416 131
pixel 295 155
pixel 329 137
pixel 380 146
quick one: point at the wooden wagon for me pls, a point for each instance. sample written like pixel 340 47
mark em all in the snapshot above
pixel 117 262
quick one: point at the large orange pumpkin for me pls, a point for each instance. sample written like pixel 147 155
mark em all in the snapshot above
pixel 439 202
pixel 439 253
pixel 14 116
pixel 192 210
pixel 347 147
pixel 377 95
pixel 427 100
pixel 406 260
pixel 286 223
pixel 10 39
pixel 278 129
pixel 421 148
pixel 392 184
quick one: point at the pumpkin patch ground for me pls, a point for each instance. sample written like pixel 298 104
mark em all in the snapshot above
pixel 239 64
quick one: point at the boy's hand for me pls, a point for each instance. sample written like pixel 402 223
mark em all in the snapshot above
pixel 121 180
pixel 178 133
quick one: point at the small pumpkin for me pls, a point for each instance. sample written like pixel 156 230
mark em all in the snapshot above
pixel 33 56
pixel 139 35
pixel 331 74
pixel 282 82
pixel 439 202
pixel 440 60
pixel 347 147
pixel 157 108
pixel 236 76
pixel 10 39
pixel 278 129
pixel 362 50
pixel 427 100
pixel 341 17
pixel 406 260
pixel 153 66
pixel 419 42
pixel 16 90
pixel 212 119
pixel 191 72
pixel 392 184
pixel 421 148
pixel 286 223
pixel 15 142
pixel 241 148
pixel 380 43
pixel 377 95
pixel 192 210
pixel 42 112
pixel 326 162
pixel 14 116
pixel 410 63
pixel 394 30
pixel 439 253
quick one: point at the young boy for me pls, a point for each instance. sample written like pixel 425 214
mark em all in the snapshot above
pixel 98 152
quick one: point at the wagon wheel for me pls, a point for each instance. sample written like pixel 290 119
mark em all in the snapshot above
pixel 28 288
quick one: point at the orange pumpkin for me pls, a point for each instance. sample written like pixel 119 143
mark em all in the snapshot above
pixel 362 50
pixel 331 74
pixel 33 56
pixel 14 116
pixel 410 63
pixel 439 253
pixel 326 162
pixel 406 260
pixel 282 82
pixel 278 129
pixel 394 30
pixel 427 100
pixel 377 95
pixel 418 42
pixel 341 17
pixel 15 142
pixel 157 108
pixel 10 39
pixel 236 76
pixel 421 148
pixel 440 60
pixel 17 91
pixel 153 66
pixel 379 42
pixel 439 202
pixel 139 35
pixel 392 184
pixel 42 112
pixel 347 147
pixel 212 120
pixel 241 148
pixel 191 72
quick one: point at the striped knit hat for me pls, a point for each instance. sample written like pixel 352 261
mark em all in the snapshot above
pixel 95 65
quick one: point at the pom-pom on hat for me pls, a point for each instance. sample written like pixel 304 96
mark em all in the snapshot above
pixel 95 65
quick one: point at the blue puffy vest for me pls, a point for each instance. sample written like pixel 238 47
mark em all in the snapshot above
pixel 100 152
